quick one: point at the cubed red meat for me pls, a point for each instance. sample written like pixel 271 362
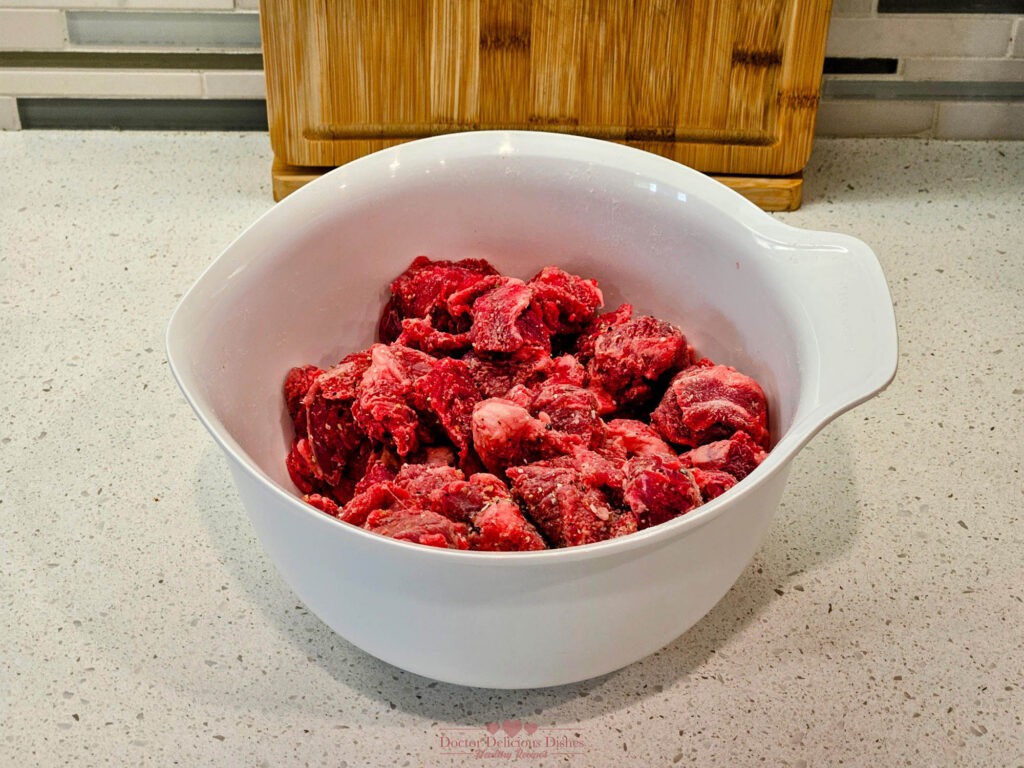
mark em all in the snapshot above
pixel 738 456
pixel 565 369
pixel 628 437
pixel 382 496
pixel 461 500
pixel 423 290
pixel 708 402
pixel 506 434
pixel 501 527
pixel 601 324
pixel 567 302
pixel 571 410
pixel 484 377
pixel 296 385
pixel 420 333
pixel 342 381
pixel 299 463
pixel 447 390
pixel 422 480
pixel 460 303
pixel 594 471
pixel 629 358
pixel 333 434
pixel 565 510
pixel 418 525
pixel 381 465
pixel 712 482
pixel 504 321
pixel 495 375
pixel 324 503
pixel 382 407
pixel 659 488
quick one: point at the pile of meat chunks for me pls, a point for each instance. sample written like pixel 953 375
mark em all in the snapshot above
pixel 499 414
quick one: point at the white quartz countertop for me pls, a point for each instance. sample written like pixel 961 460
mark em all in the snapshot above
pixel 881 623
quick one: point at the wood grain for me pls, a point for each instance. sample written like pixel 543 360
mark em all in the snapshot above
pixel 724 86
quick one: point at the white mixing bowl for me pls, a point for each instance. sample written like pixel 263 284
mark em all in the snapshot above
pixel 808 314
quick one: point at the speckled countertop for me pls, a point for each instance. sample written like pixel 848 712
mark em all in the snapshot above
pixel 881 623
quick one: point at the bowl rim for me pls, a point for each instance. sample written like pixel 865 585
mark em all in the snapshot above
pixel 586 150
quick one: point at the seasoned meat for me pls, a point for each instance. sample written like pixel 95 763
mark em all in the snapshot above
pixel 659 488
pixel 503 415
pixel 423 289
pixel 708 402
pixel 738 456
pixel 566 510
pixel 629 358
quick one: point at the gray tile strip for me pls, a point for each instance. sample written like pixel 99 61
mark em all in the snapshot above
pixel 845 65
pixel 144 114
pixel 932 91
pixel 951 6
pixel 185 29
pixel 129 60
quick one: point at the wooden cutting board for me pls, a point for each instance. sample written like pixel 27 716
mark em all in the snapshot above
pixel 729 88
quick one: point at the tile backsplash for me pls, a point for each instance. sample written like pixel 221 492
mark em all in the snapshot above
pixel 929 68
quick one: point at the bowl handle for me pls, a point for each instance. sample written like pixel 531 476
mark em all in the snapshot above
pixel 839 285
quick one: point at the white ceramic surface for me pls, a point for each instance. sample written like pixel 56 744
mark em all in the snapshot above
pixel 806 313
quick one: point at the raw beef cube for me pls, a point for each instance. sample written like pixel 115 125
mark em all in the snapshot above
pixel 420 333
pixel 501 527
pixel 423 289
pixel 382 496
pixel 625 523
pixel 567 302
pixel 534 331
pixel 354 470
pixel 448 391
pixel 418 525
pixel 571 410
pixel 381 465
pixel 342 381
pixel 296 385
pixel 300 467
pixel 738 456
pixel 712 482
pixel 628 437
pixel 567 512
pixel 602 323
pixel 505 435
pixel 629 358
pixel 333 434
pixel 421 480
pixel 594 471
pixel 382 408
pixel 460 303
pixel 709 402
pixel 495 375
pixel 496 523
pixel 565 369
pixel 521 395
pixel 323 503
pixel 659 488
pixel 460 500
pixel 503 320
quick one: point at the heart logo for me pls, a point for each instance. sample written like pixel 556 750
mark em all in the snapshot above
pixel 492 728
pixel 530 728
pixel 512 727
